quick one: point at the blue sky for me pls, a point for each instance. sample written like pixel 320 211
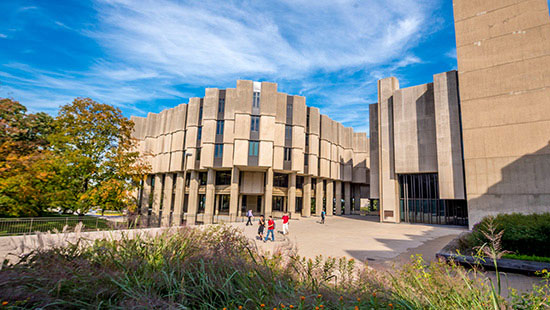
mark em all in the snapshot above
pixel 145 56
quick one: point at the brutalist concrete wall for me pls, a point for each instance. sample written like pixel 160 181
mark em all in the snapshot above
pixel 503 53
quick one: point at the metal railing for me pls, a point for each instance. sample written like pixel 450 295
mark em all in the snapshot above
pixel 31 225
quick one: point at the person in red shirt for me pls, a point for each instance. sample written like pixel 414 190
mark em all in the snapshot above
pixel 285 223
pixel 270 229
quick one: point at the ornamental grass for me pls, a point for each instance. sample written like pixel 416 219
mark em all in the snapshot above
pixel 219 268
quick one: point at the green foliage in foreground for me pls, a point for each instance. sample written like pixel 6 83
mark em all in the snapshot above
pixel 527 257
pixel 219 268
pixel 523 234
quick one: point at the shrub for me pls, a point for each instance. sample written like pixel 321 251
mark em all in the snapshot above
pixel 523 234
pixel 218 268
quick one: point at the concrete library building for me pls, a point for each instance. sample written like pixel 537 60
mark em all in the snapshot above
pixel 473 142
pixel 249 148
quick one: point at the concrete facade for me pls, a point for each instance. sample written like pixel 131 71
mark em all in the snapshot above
pixel 415 131
pixel 503 52
pixel 248 148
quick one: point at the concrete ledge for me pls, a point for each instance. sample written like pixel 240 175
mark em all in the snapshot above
pixel 503 264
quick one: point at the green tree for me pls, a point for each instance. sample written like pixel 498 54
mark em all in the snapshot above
pixel 95 157
pixel 23 154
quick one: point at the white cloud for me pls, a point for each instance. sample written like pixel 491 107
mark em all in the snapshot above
pixel 213 39
pixel 152 46
pixel 3 36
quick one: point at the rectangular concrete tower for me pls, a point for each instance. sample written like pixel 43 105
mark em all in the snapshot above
pixel 503 53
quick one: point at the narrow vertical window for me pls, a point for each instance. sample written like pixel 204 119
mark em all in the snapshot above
pixel 219 127
pixel 288 154
pixel 200 113
pixel 288 132
pixel 221 105
pixel 306 160
pixel 255 123
pixel 307 139
pixel 256 100
pixel 199 134
pixel 253 148
pixel 218 150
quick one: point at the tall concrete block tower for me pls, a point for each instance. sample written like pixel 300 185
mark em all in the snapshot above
pixel 503 52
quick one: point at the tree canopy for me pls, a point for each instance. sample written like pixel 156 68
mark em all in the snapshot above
pixel 84 158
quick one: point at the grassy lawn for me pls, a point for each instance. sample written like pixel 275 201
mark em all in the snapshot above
pixel 15 226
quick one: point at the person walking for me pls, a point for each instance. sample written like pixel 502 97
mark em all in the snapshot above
pixel 270 229
pixel 285 223
pixel 323 214
pixel 261 226
pixel 250 215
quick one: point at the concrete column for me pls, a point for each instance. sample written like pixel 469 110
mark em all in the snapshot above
pixel 306 203
pixel 157 197
pixel 144 203
pixel 178 199
pixel 210 196
pixel 193 198
pixel 268 197
pixel 357 197
pixel 292 194
pixel 330 196
pixel 239 205
pixel 167 200
pixel 234 199
pixel 347 198
pixel 318 196
pixel 338 197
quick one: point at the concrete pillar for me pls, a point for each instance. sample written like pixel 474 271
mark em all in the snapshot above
pixel 268 197
pixel 292 194
pixel 193 198
pixel 234 199
pixel 167 200
pixel 338 197
pixel 356 197
pixel 144 203
pixel 306 203
pixel 157 197
pixel 239 205
pixel 178 199
pixel 318 196
pixel 210 196
pixel 347 198
pixel 330 196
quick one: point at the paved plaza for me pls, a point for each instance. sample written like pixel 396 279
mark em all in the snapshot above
pixel 360 237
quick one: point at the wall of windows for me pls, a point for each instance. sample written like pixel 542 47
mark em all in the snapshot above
pixel 419 201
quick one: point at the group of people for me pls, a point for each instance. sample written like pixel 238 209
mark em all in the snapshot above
pixel 270 225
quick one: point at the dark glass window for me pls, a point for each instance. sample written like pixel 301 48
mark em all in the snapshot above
pixel 253 147
pixel 199 134
pixel 288 154
pixel 288 109
pixel 200 113
pixel 256 100
pixel 223 177
pixel 280 180
pixel 307 139
pixel 221 105
pixel 278 203
pixel 218 150
pixel 255 123
pixel 219 127
pixel 307 120
pixel 288 132
pixel 198 154
pixel 203 178
pixel 420 202
pixel 306 159
pixel 299 181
